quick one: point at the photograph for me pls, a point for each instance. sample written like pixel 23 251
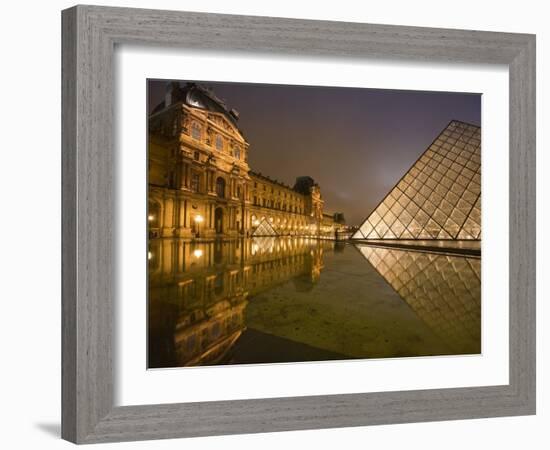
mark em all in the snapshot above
pixel 258 225
pixel 309 223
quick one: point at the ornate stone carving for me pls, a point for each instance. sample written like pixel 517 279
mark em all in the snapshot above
pixel 185 122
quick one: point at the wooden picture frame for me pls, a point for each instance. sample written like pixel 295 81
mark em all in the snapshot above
pixel 90 34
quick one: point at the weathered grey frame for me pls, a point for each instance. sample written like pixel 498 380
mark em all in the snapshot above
pixel 89 36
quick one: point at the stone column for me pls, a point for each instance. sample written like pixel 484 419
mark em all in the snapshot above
pixel 168 219
pixel 186 177
pixel 182 212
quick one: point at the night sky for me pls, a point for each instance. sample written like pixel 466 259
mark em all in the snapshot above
pixel 356 143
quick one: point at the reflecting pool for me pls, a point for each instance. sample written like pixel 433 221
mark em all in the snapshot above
pixel 288 299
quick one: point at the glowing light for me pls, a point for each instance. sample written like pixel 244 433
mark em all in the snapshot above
pixel 149 255
pixel 199 218
pixel 197 253
pixel 150 217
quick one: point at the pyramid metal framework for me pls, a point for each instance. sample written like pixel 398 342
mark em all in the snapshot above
pixel 439 197
pixel 264 229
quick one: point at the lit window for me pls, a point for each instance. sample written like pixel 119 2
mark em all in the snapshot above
pixel 196 130
pixel 219 142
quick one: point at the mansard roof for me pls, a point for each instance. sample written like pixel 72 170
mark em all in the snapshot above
pixel 198 96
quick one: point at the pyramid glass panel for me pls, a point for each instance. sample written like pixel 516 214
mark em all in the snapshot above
pixel 439 197
pixel 264 229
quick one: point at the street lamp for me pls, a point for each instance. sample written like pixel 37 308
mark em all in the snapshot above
pixel 198 220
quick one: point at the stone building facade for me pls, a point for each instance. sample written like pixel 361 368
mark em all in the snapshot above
pixel 200 183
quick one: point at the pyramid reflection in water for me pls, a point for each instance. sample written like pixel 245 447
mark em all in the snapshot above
pixel 444 291
pixel 439 197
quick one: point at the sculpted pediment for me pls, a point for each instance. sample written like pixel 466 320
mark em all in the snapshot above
pixel 224 123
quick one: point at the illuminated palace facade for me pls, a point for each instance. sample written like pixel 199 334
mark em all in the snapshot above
pixel 200 183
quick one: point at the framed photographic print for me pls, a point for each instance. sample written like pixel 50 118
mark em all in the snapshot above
pixel 264 228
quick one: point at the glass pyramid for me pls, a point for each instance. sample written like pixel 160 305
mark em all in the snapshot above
pixel 443 290
pixel 439 197
pixel 264 229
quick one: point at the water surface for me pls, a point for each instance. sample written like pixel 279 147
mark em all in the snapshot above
pixel 288 299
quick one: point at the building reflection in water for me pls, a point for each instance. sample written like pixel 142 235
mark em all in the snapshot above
pixel 443 290
pixel 199 294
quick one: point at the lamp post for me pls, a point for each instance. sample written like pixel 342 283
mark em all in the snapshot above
pixel 150 219
pixel 198 220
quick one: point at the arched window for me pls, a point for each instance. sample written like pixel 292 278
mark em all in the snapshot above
pixel 237 153
pixel 220 187
pixel 219 142
pixel 196 131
